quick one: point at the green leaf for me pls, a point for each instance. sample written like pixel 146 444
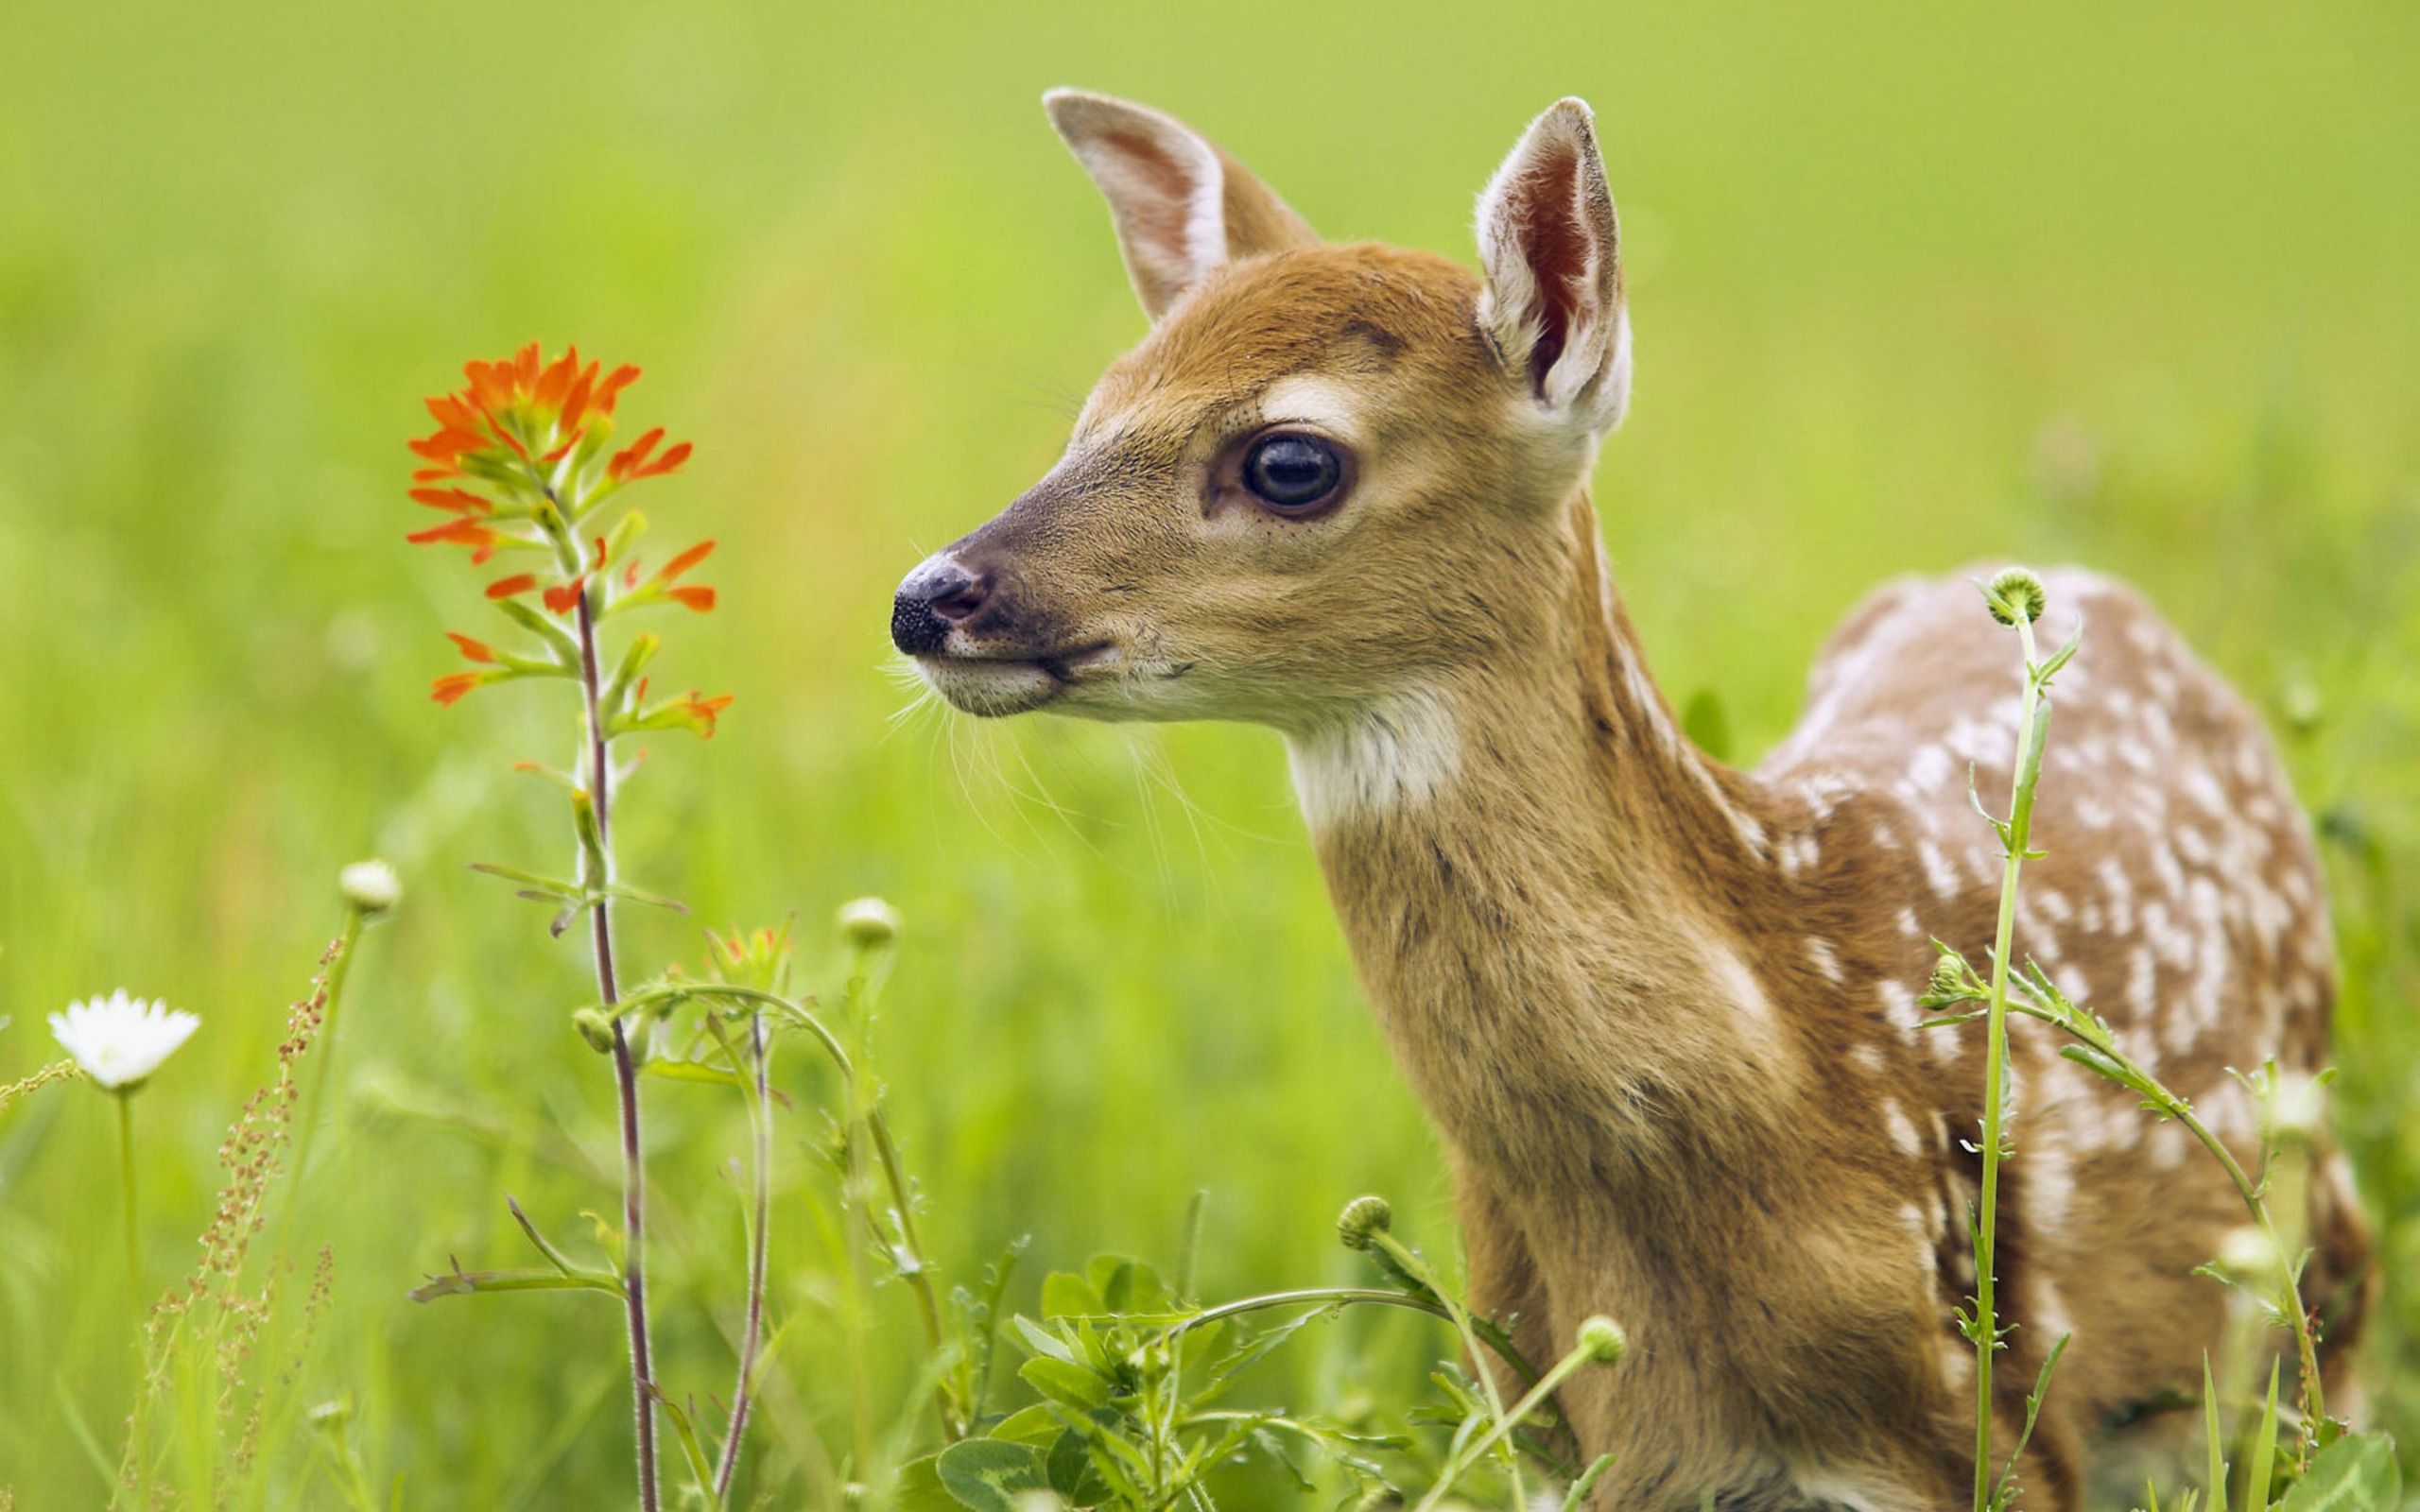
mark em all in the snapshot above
pixel 691 1071
pixel 919 1488
pixel 1060 1382
pixel 1069 1470
pixel 987 1475
pixel 1041 1340
pixel 2357 1473
pixel 2213 1480
pixel 2264 1452
pixel 1064 1293
pixel 550 885
pixel 1036 1424
pixel 1127 1285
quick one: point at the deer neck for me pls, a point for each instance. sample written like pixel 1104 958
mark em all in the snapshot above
pixel 1535 871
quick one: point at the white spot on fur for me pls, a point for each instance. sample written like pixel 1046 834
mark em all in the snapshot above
pixel 1902 1129
pixel 1899 1002
pixel 1310 402
pixel 1826 959
pixel 1397 752
pixel 1938 870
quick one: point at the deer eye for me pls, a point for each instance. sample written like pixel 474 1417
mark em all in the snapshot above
pixel 1293 474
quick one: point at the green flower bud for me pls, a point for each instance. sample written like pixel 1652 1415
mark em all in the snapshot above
pixel 869 923
pixel 1948 978
pixel 596 1026
pixel 370 888
pixel 1362 1218
pixel 2016 591
pixel 1603 1339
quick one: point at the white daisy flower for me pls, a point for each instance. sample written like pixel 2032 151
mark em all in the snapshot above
pixel 119 1041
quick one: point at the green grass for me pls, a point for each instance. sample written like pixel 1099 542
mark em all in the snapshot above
pixel 1912 288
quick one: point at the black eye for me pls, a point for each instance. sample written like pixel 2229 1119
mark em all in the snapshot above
pixel 1292 473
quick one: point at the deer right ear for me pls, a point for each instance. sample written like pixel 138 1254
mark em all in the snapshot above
pixel 1182 206
pixel 1551 249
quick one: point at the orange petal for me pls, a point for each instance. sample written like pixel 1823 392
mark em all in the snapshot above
pixel 471 649
pixel 508 587
pixel 684 561
pixel 462 530
pixel 524 367
pixel 699 598
pixel 576 400
pixel 458 501
pixel 561 597
pixel 490 384
pixel 555 382
pixel 451 687
pixel 670 462
pixel 619 379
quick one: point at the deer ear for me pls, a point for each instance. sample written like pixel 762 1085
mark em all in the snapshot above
pixel 1182 206
pixel 1550 247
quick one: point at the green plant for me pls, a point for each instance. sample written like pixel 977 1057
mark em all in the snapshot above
pixel 2015 598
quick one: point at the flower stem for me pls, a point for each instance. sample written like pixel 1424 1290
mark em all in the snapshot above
pixel 1459 1465
pixel 340 958
pixel 126 1169
pixel 2018 835
pixel 760 1114
pixel 626 1081
pixel 1418 1269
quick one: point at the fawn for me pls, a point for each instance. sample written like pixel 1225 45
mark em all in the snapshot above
pixel 1664 1011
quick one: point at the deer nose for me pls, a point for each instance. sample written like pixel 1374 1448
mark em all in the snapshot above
pixel 937 595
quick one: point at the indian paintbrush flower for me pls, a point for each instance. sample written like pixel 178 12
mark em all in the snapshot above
pixel 520 461
pixel 119 1041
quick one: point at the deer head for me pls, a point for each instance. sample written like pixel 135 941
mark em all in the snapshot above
pixel 1329 474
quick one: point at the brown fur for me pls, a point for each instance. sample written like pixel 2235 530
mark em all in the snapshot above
pixel 1663 1010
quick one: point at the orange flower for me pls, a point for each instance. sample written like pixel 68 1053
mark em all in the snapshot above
pixel 448 689
pixel 630 463
pixel 511 409
pixel 510 587
pixel 462 530
pixel 457 500
pixel 704 710
pixel 684 561
pixel 471 649
pixel 699 598
pixel 562 597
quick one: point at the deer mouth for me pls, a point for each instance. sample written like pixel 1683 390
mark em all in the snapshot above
pixel 997 686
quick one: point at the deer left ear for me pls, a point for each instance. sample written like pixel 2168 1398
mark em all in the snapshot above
pixel 1182 206
pixel 1550 246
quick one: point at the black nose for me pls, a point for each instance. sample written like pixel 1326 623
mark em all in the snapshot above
pixel 936 595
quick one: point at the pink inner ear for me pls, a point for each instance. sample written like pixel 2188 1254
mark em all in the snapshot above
pixel 1557 251
pixel 1161 213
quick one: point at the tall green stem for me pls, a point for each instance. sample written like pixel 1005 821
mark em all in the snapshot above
pixel 760 1121
pixel 126 1169
pixel 2021 824
pixel 316 1103
pixel 626 1081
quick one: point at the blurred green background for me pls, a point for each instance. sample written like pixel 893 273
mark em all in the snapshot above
pixel 1913 286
